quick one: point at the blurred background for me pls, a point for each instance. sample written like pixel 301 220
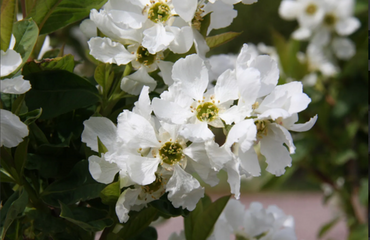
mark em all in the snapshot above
pixel 326 189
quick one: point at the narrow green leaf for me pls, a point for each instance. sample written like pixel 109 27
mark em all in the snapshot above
pixel 15 209
pixel 102 73
pixel 30 117
pixel 77 186
pixel 327 226
pixel 8 11
pixel 18 104
pixel 110 194
pixel 6 177
pixel 101 147
pixel 20 156
pixel 218 40
pixel 25 33
pixel 58 92
pixel 204 224
pixel 205 24
pixel 191 220
pixel 90 219
pixel 138 222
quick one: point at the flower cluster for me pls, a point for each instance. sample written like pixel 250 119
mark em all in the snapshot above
pixel 13 130
pixel 154 154
pixel 254 223
pixel 326 24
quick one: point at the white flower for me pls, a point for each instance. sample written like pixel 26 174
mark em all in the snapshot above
pixel 187 103
pixel 253 223
pixel 10 59
pixel 12 129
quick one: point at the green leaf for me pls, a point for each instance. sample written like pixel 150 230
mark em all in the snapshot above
pixel 25 33
pixel 66 63
pixel 150 233
pixel 166 209
pixel 287 51
pixel 101 147
pixel 20 156
pixel 359 232
pixel 52 15
pixel 90 219
pixel 103 75
pixel 344 156
pixel 191 220
pixel 30 117
pixel 218 40
pixel 47 167
pixel 110 193
pixel 15 209
pixel 77 186
pixel 327 226
pixel 8 12
pixel 58 92
pixel 206 21
pixel 364 191
pixel 138 222
pixel 205 222
pixel 6 177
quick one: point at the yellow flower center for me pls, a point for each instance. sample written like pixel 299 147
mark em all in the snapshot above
pixel 171 152
pixel 207 112
pixel 311 9
pixel 144 57
pixel 159 12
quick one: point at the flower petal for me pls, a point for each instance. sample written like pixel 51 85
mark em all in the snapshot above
pixel 157 38
pixel 303 126
pixel 103 49
pixel 10 61
pixel 16 85
pixel 135 82
pixel 99 127
pixel 185 9
pixel 102 170
pixel 12 129
pixel 198 132
pixel 184 190
pixel 142 169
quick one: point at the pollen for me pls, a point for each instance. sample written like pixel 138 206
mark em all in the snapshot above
pixel 207 112
pixel 171 152
pixel 261 128
pixel 144 57
pixel 330 19
pixel 311 9
pixel 159 12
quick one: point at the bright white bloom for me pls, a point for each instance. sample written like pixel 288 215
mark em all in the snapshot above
pixel 12 129
pixel 253 223
pixel 10 59
pixel 187 103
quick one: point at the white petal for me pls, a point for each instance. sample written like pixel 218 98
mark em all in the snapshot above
pixel 88 28
pixel 12 129
pixel 136 131
pixel 166 71
pixel 183 39
pixel 184 190
pixel 99 127
pixel 198 132
pixel 249 162
pixel 285 136
pixel 244 133
pixel 207 174
pixel 200 44
pixel 142 169
pixel 233 177
pixel 197 152
pixel 171 111
pixel 157 38
pixel 301 33
pixel 185 9
pixel 134 83
pixel 16 85
pixel 110 29
pixel 347 26
pixel 288 9
pixel 102 170
pixel 143 106
pixel 220 63
pixel 249 1
pixel 217 155
pixel 233 213
pixel 193 75
pixel 343 48
pixel 128 14
pixel 222 15
pixel 302 127
pixel 249 84
pixel 226 87
pixel 277 156
pixel 124 203
pixel 10 61
pixel 274 114
pixel 269 71
pixel 107 51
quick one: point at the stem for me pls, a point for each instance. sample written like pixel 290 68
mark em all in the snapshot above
pixel 23 6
